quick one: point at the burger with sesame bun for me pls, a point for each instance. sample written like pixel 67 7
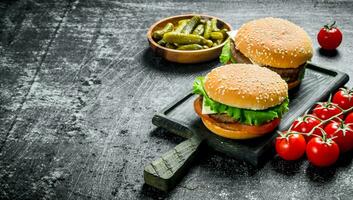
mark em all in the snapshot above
pixel 241 101
pixel 274 43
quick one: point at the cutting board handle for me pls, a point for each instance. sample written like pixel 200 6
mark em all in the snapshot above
pixel 165 172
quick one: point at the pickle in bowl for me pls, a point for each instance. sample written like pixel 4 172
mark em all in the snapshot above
pixel 194 33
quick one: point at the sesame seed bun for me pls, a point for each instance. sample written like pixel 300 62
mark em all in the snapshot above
pixel 246 86
pixel 274 42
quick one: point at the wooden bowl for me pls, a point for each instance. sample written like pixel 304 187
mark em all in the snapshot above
pixel 185 56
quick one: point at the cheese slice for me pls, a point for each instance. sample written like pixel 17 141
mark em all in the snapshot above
pixel 232 34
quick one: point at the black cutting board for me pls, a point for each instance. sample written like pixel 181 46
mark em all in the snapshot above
pixel 180 118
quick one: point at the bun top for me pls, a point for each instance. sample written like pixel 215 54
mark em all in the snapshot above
pixel 274 42
pixel 246 86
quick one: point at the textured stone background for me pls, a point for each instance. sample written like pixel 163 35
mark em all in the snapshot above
pixel 79 87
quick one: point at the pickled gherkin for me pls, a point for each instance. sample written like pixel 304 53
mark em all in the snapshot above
pixel 190 25
pixel 216 35
pixel 209 43
pixel 170 46
pixel 181 26
pixel 208 29
pixel 183 20
pixel 218 42
pixel 162 42
pixel 190 47
pixel 159 33
pixel 183 38
pixel 224 31
pixel 214 25
pixel 199 30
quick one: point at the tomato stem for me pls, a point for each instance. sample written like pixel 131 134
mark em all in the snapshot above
pixel 330 99
pixel 327 120
pixel 324 135
pixel 330 26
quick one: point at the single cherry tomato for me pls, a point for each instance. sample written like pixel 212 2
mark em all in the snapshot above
pixel 305 124
pixel 343 98
pixel 322 153
pixel 326 110
pixel 342 134
pixel 329 37
pixel 290 147
pixel 349 119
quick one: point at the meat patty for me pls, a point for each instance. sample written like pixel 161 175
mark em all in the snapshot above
pixel 287 74
pixel 224 118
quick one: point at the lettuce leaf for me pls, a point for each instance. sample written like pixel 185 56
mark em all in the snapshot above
pixel 226 54
pixel 244 116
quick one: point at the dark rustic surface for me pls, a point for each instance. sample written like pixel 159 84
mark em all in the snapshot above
pixel 79 87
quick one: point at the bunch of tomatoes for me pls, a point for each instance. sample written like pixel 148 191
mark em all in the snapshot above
pixel 322 134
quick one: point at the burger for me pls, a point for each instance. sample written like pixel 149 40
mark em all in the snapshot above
pixel 241 101
pixel 274 43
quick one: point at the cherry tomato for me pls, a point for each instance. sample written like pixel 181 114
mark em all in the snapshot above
pixel 305 124
pixel 329 37
pixel 322 153
pixel 343 98
pixel 349 119
pixel 342 134
pixel 291 147
pixel 325 110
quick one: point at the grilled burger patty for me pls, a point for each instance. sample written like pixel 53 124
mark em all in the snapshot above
pixel 224 118
pixel 287 74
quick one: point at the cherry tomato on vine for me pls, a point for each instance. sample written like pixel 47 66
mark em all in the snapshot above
pixel 342 134
pixel 305 124
pixel 290 147
pixel 325 110
pixel 329 36
pixel 349 119
pixel 343 98
pixel 322 153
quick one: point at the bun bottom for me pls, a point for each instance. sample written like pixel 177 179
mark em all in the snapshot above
pixel 226 133
pixel 234 130
pixel 293 84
